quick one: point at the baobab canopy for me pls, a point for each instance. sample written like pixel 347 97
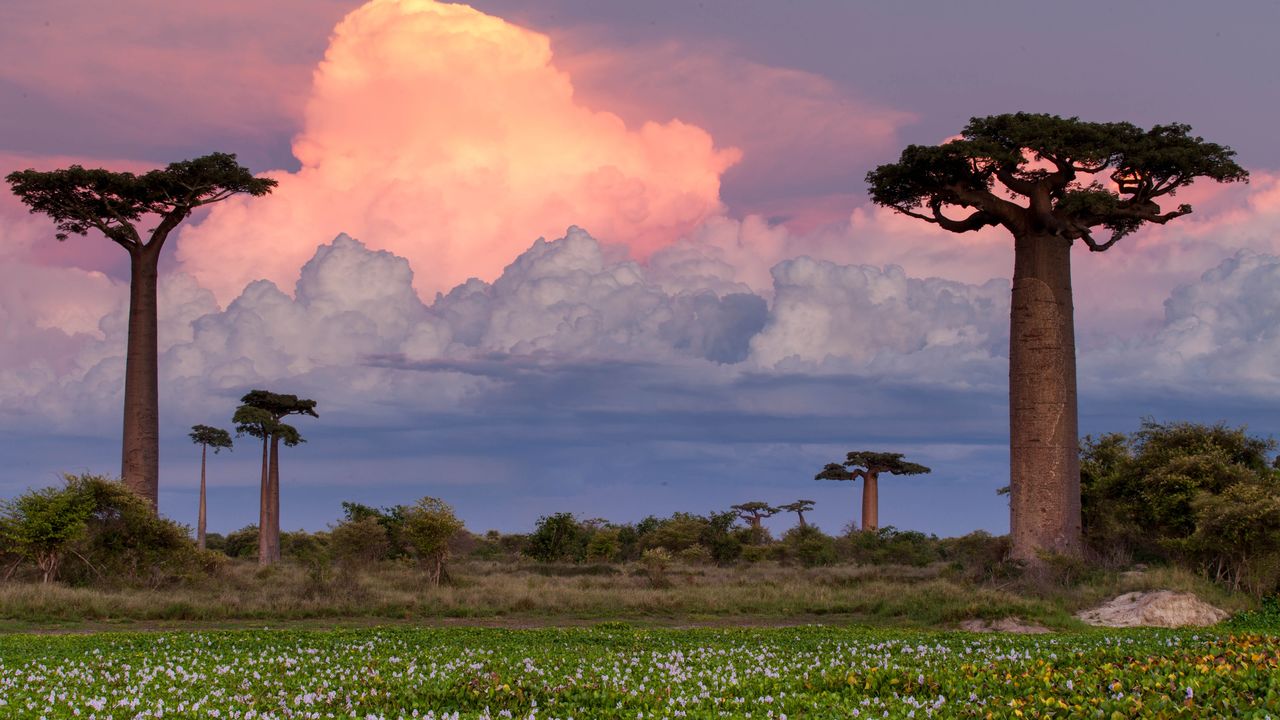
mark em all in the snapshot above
pixel 1049 161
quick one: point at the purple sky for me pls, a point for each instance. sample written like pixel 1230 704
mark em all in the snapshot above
pixel 773 321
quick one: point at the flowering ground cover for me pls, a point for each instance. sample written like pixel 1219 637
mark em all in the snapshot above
pixel 615 671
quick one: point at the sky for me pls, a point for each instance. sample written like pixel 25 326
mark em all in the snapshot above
pixel 614 259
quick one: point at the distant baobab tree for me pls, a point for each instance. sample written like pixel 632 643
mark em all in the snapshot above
pixel 1035 176
pixel 799 507
pixel 206 437
pixel 114 203
pixel 260 415
pixel 754 512
pixel 867 466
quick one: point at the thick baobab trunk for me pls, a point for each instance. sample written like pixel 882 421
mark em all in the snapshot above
pixel 140 451
pixel 870 502
pixel 200 516
pixel 264 555
pixel 1043 432
pixel 273 501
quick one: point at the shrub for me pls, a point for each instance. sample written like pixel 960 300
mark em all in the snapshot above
pixel 656 561
pixel 558 537
pixel 242 543
pixel 809 546
pixel 890 546
pixel 604 545
pixel 428 527
pixel 358 543
pixel 41 526
pixel 696 555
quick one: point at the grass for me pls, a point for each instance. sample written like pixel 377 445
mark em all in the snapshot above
pixel 538 594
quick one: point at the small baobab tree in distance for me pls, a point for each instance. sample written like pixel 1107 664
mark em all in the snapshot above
pixel 78 200
pixel 1040 177
pixel 754 512
pixel 867 466
pixel 206 437
pixel 799 507
pixel 260 415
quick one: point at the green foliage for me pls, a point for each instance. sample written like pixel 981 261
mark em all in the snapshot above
pixel 110 533
pixel 429 526
pixel 80 199
pixel 809 546
pixel 1044 155
pixel 392 520
pixel 558 537
pixel 42 525
pixel 616 671
pixel 605 545
pixel 212 437
pixel 358 543
pixel 890 546
pixel 1266 618
pixel 979 557
pixel 242 543
pixel 1200 495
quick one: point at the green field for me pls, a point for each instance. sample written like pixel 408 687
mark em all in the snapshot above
pixel 616 671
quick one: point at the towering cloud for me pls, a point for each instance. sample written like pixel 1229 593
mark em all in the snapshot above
pixel 449 137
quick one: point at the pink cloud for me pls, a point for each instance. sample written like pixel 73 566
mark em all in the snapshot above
pixel 449 137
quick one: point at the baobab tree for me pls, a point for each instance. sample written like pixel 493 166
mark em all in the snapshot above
pixel 754 512
pixel 1049 182
pixel 799 507
pixel 206 437
pixel 114 204
pixel 867 466
pixel 260 415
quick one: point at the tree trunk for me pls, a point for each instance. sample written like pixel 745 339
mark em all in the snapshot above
pixel 870 502
pixel 802 522
pixel 273 501
pixel 140 451
pixel 1044 453
pixel 200 517
pixel 264 556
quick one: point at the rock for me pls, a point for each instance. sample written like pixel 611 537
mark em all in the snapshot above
pixel 1004 625
pixel 1161 608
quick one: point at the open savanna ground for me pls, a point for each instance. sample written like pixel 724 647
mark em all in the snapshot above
pixel 616 671
pixel 530 593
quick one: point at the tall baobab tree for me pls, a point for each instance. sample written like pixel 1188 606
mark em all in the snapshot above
pixel 1048 181
pixel 115 203
pixel 867 466
pixel 260 415
pixel 206 437
pixel 799 507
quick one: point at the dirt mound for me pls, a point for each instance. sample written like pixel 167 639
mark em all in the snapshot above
pixel 1005 625
pixel 1161 608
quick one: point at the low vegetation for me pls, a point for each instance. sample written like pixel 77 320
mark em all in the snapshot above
pixel 92 551
pixel 614 671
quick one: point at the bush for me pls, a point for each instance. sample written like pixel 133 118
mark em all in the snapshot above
pixel 358 543
pixel 809 546
pixel 656 561
pixel 558 537
pixel 1201 496
pixel 111 534
pixel 242 543
pixel 890 546
pixel 429 526
pixel 979 557
pixel 604 545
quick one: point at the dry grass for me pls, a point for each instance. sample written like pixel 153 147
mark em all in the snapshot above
pixel 538 593
pixel 878 595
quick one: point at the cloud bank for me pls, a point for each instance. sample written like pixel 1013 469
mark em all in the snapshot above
pixel 449 137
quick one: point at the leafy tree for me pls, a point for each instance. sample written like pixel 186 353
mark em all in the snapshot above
pixel 429 525
pixel 558 537
pixel 867 466
pixel 42 526
pixel 809 546
pixel 115 203
pixel 1034 176
pixel 1180 492
pixel 260 415
pixel 206 437
pixel 799 507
